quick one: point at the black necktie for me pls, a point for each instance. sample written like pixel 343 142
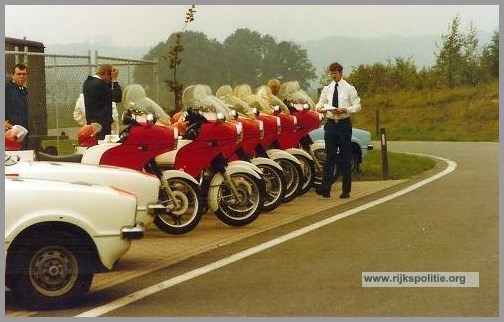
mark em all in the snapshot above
pixel 335 96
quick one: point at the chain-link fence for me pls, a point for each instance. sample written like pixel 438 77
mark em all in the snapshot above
pixel 54 84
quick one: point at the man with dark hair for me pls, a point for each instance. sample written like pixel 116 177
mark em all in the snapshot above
pixel 338 101
pixel 99 92
pixel 16 100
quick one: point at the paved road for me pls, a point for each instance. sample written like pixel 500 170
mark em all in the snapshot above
pixel 448 225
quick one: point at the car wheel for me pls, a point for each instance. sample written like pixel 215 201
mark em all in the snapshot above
pixel 49 273
pixel 355 161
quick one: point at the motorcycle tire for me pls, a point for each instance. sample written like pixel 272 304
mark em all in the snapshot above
pixel 293 174
pixel 308 168
pixel 244 210
pixel 181 220
pixel 320 154
pixel 275 182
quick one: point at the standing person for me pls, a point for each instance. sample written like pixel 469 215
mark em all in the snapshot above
pixel 79 113
pixel 274 84
pixel 16 100
pixel 338 100
pixel 99 92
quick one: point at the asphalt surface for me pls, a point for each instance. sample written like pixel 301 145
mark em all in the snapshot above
pixel 449 225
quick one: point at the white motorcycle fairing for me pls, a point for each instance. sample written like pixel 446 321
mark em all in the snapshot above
pixel 93 154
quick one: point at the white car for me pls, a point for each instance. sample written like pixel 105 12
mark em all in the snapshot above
pixel 145 186
pixel 58 234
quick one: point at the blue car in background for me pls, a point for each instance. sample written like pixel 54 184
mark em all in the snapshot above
pixel 361 144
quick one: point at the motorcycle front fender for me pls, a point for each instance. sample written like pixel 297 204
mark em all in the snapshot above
pixel 246 164
pixel 278 154
pixel 295 151
pixel 261 160
pixel 317 145
pixel 169 174
pixel 218 178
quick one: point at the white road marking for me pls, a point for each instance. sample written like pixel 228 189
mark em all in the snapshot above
pixel 98 311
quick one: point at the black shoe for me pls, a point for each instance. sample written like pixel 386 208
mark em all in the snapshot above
pixel 323 193
pixel 344 195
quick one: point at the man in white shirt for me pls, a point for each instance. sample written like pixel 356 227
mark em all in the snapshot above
pixel 338 101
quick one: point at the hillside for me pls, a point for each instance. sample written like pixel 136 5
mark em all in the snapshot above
pixel 355 51
pixel 461 114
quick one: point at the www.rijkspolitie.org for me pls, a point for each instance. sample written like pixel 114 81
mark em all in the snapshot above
pixel 420 279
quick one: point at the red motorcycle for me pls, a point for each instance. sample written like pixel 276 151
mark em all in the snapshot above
pixel 292 131
pixel 139 143
pixel 307 121
pixel 250 151
pixel 233 191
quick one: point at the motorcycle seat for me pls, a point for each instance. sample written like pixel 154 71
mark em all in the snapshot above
pixel 41 156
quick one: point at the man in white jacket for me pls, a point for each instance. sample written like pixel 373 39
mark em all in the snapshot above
pixel 338 101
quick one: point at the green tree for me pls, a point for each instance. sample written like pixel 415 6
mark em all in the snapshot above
pixel 173 55
pixel 253 59
pixel 245 57
pixel 490 57
pixel 292 63
pixel 449 60
pixel 403 73
pixel 203 63
pixel 244 52
pixel 471 56
pixel 369 79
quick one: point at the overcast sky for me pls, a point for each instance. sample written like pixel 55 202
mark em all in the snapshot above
pixel 147 25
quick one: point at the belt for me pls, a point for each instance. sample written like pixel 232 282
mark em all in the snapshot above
pixel 346 119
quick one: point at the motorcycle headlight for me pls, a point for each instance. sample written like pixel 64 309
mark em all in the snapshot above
pixel 279 125
pixel 151 120
pixel 239 132
pixel 261 130
pixel 234 114
pixel 220 117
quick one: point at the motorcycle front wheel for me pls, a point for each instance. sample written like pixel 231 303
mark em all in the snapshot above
pixel 243 208
pixel 308 168
pixel 293 178
pixel 275 182
pixel 183 214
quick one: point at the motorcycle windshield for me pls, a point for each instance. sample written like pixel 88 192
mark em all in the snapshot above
pixel 244 92
pixel 225 93
pixel 264 92
pixel 200 97
pixel 292 91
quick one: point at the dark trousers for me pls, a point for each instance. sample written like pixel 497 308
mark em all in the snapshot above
pixel 106 130
pixel 338 138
